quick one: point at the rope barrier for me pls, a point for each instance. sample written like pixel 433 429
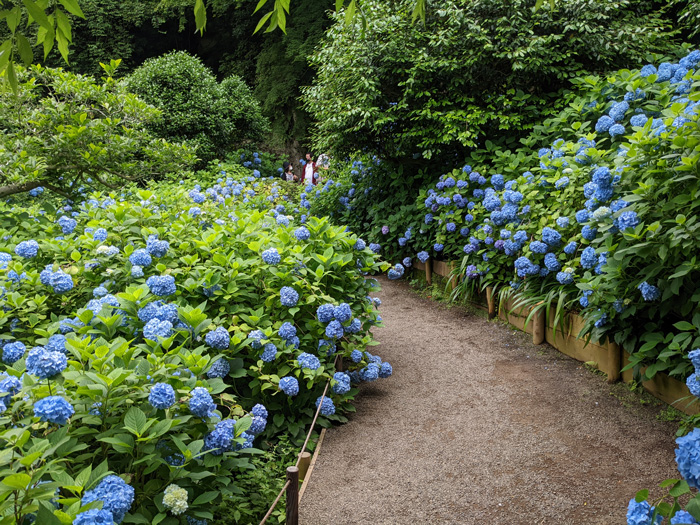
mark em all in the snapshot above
pixel 277 500
pixel 294 490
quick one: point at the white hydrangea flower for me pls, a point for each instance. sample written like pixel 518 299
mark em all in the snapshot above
pixel 175 499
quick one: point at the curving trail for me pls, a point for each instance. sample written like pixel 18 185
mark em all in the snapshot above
pixel 478 426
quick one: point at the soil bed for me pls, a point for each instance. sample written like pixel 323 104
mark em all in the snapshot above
pixel 477 425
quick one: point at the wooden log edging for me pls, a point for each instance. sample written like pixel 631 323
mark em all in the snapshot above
pixel 606 356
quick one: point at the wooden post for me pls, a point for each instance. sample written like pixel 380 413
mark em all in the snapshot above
pixel 491 302
pixel 304 462
pixel 292 496
pixel 538 327
pixel 614 363
pixel 428 272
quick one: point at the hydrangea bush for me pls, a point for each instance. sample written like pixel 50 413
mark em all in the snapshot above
pixel 602 220
pixel 145 347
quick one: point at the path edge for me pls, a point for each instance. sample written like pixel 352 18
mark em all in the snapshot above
pixel 307 478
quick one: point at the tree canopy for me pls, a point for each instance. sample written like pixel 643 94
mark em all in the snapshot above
pixel 478 70
pixel 65 132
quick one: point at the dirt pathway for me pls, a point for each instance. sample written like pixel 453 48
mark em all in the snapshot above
pixel 478 426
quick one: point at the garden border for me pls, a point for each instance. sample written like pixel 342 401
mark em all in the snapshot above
pixel 608 357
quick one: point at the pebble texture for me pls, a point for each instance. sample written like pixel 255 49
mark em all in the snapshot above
pixel 478 426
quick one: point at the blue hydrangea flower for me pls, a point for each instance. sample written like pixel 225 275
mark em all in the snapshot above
pixel 116 496
pixel 271 256
pixel 566 276
pixel 694 356
pixel 13 352
pixel 693 384
pixel 155 329
pixel 259 411
pixel 376 248
pixel 370 372
pixel 94 517
pixel 218 339
pixel 44 364
pixel 100 235
pixel 302 234
pixel 220 368
pixel 325 313
pixel 552 263
pixel 649 292
pixel 162 396
pixel 67 224
pixel 385 370
pixel 563 222
pixel 604 124
pixel 341 383
pixel 141 258
pixel 53 409
pixel 589 233
pixel 334 330
pixel 201 404
pixel 257 425
pixel 616 129
pixel 136 272
pixel 588 258
pixel 618 110
pixel 423 256
pixel 538 247
pixel 220 439
pixel 27 249
pixel 360 245
pixel 56 343
pixel 356 356
pixel 155 247
pixel 289 296
pixel 438 247
pixel 269 352
pixel 327 406
pixel 342 312
pixel 287 331
pixel 551 236
pixel 683 517
pixel 627 219
pixel 354 327
pixel 647 71
pixel 5 258
pixel 161 286
pixel 309 361
pixel 9 385
pixel 407 262
pixel 641 513
pixel 289 385
pixel 688 457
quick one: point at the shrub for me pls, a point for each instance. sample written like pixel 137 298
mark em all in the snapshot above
pixel 143 330
pixel 596 221
pixel 476 71
pixel 196 108
pixel 69 134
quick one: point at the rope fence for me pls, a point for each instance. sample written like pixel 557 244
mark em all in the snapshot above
pixel 291 487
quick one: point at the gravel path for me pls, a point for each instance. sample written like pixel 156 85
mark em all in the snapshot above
pixel 478 426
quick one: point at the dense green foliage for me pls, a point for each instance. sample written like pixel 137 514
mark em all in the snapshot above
pixel 652 159
pixel 478 70
pixel 93 291
pixel 67 132
pixel 210 116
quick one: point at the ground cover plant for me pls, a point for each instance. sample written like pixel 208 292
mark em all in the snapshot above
pixel 150 337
